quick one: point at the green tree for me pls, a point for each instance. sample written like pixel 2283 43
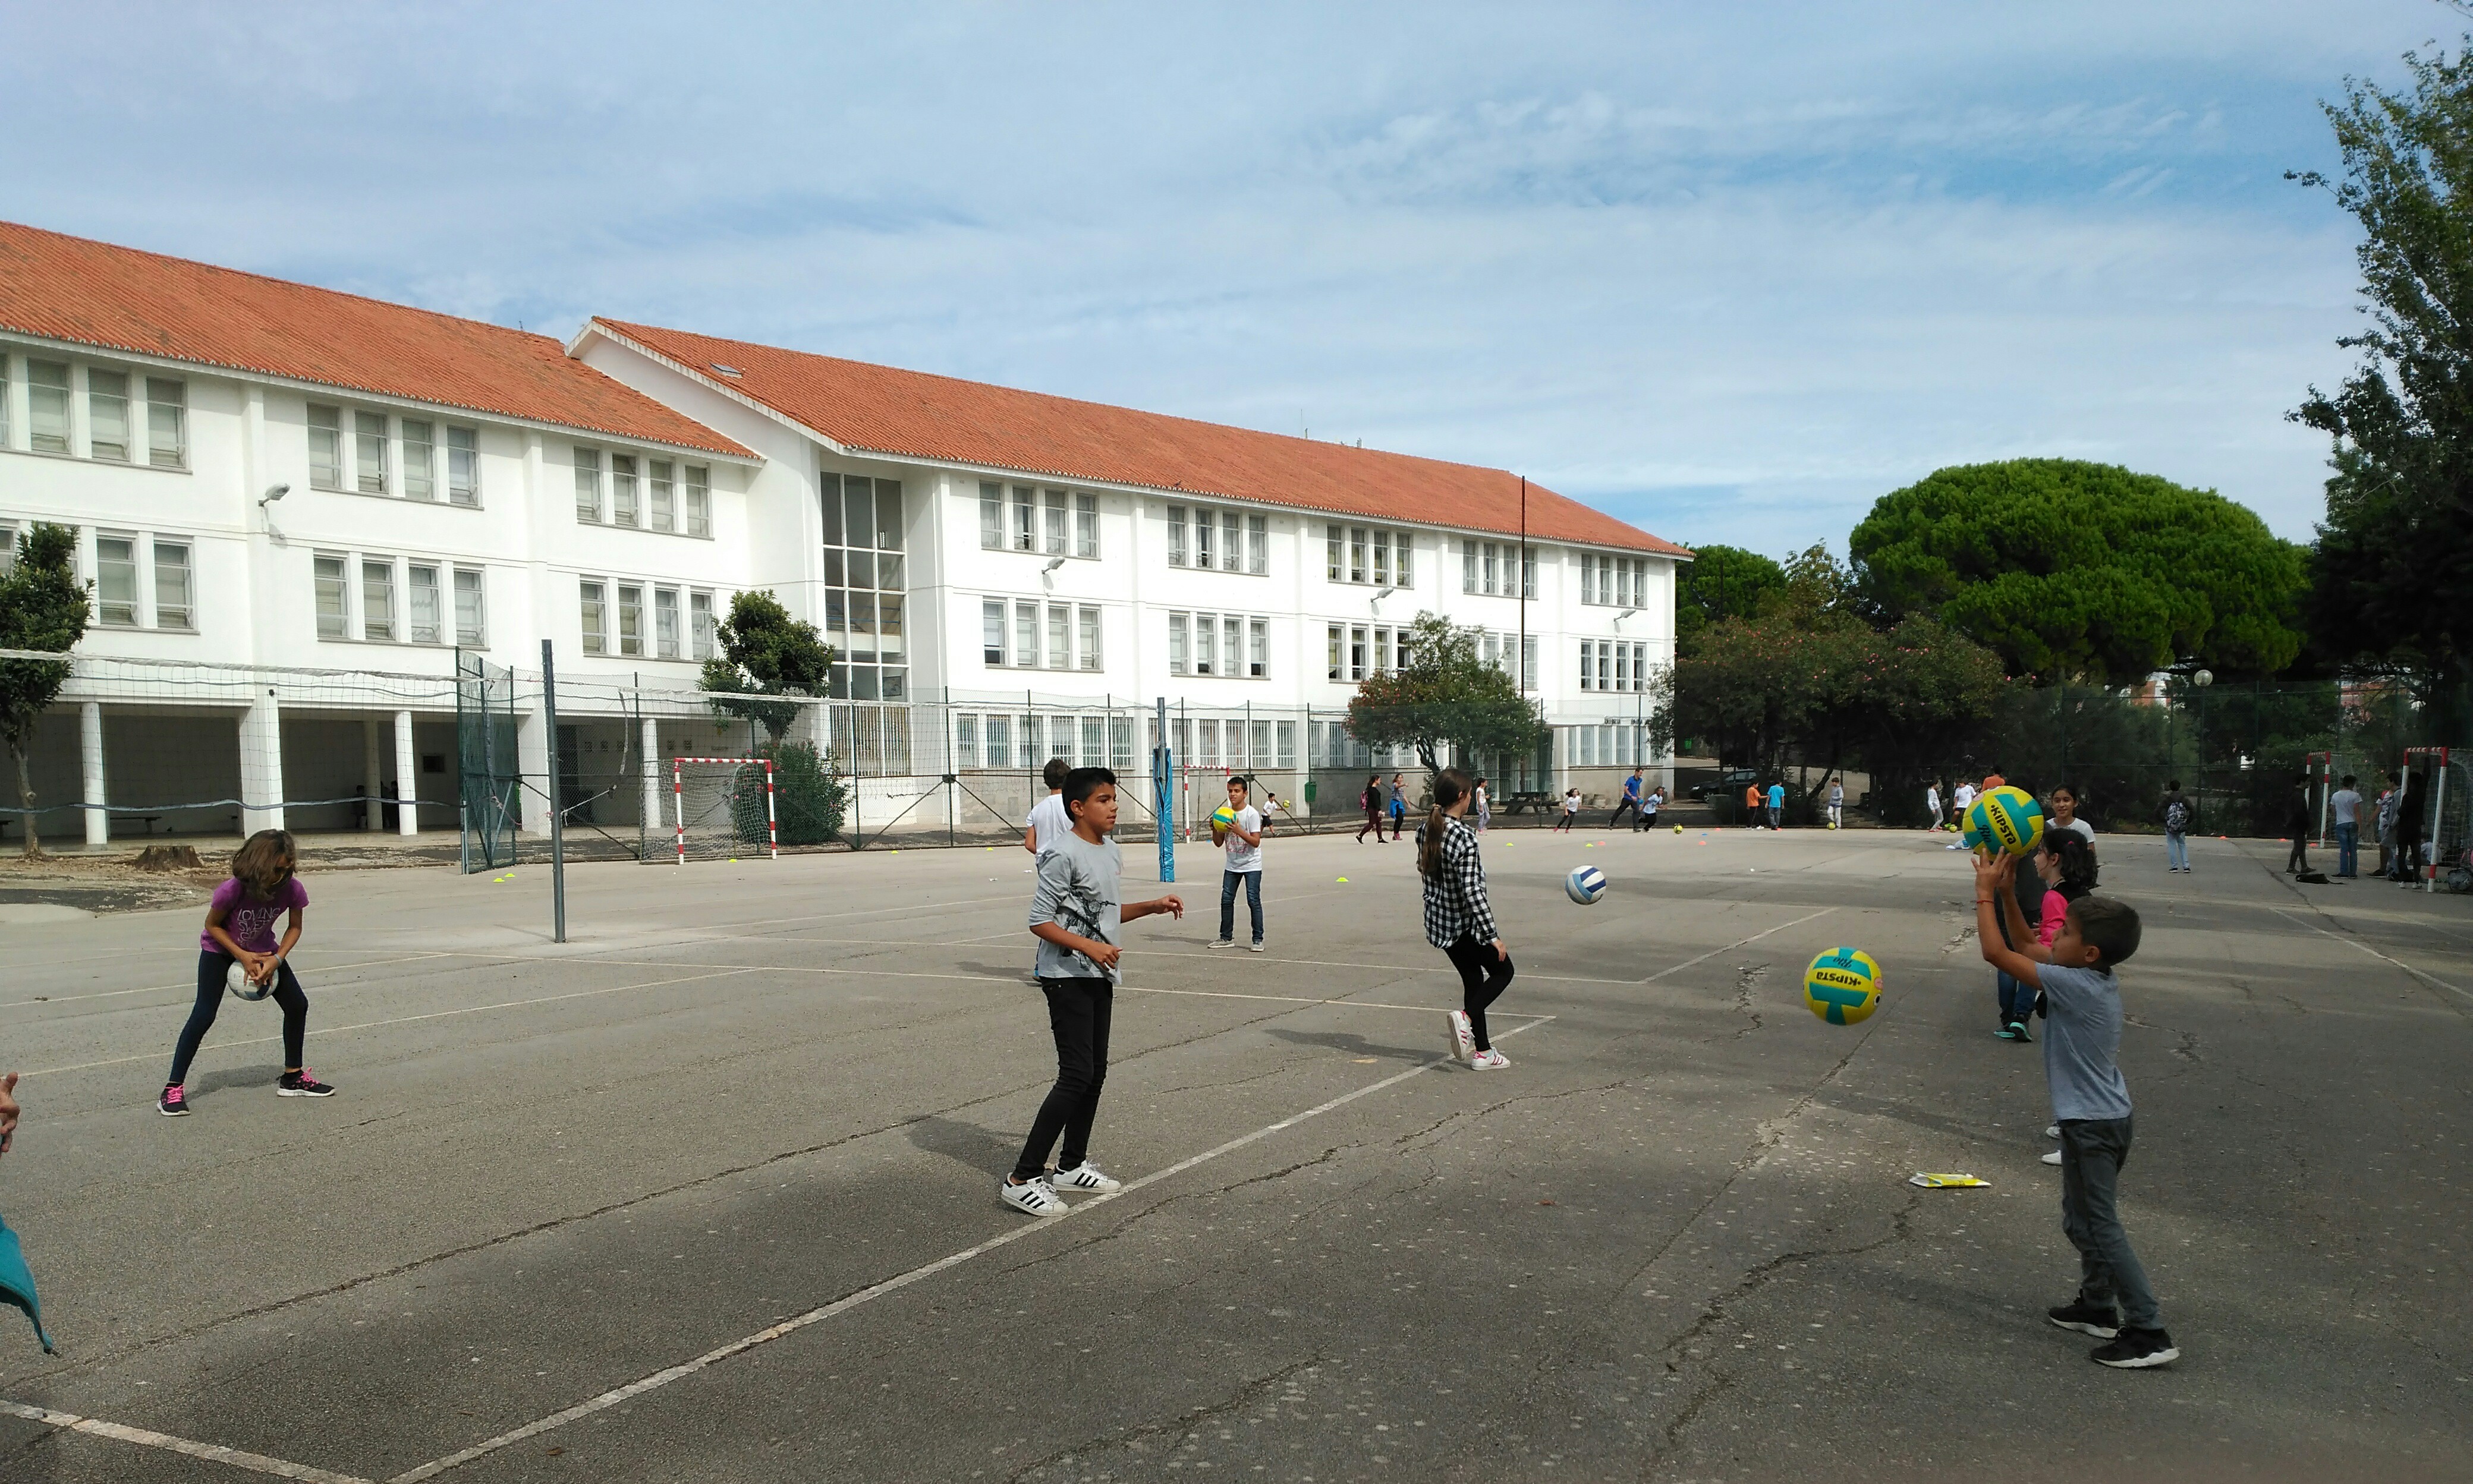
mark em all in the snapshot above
pixel 765 651
pixel 1717 583
pixel 808 797
pixel 1907 698
pixel 42 607
pixel 2395 554
pixel 2074 570
pixel 1445 696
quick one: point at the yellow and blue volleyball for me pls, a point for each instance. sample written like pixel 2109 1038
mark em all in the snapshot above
pixel 1585 884
pixel 1223 817
pixel 2006 819
pixel 1842 986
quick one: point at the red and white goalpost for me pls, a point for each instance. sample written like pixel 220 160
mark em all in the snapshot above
pixel 712 795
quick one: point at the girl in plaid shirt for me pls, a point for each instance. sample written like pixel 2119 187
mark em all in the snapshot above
pixel 1459 921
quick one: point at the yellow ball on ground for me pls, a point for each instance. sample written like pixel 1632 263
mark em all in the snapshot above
pixel 1842 986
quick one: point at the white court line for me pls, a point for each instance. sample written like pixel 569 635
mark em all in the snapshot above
pixel 1730 947
pixel 2431 979
pixel 257 1463
pixel 660 1379
pixel 192 984
pixel 434 1014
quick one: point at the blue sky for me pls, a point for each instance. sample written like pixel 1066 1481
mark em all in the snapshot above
pixel 1729 272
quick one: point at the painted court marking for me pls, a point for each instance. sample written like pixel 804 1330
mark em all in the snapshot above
pixel 190 984
pixel 2429 979
pixel 280 1468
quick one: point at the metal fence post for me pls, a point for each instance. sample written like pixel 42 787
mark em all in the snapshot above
pixel 557 809
pixel 1161 767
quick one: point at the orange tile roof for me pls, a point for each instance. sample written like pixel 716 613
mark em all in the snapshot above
pixel 882 410
pixel 119 299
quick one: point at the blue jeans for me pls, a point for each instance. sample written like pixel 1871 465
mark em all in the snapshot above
pixel 1228 880
pixel 2177 850
pixel 2017 999
pixel 2348 849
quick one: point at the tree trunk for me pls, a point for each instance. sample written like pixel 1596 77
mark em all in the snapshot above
pixel 26 801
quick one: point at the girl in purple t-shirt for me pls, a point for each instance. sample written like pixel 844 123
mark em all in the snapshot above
pixel 240 929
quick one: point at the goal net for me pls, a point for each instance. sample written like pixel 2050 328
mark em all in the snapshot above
pixel 722 809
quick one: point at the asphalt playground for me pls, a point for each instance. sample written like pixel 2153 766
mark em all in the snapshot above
pixel 708 1191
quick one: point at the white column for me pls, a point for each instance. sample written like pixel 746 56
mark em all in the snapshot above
pixel 533 744
pixel 406 765
pixel 98 824
pixel 652 814
pixel 261 764
pixel 373 774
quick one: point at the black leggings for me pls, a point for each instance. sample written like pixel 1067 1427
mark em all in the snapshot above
pixel 212 968
pixel 1078 1010
pixel 1484 977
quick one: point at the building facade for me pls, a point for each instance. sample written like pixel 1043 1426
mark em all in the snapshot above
pixel 300 507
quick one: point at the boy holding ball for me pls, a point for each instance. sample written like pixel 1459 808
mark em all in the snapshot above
pixel 1241 835
pixel 2081 996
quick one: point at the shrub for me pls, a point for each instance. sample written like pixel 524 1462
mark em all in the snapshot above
pixel 808 798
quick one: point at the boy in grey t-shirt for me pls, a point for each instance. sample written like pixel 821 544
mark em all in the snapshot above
pixel 2081 998
pixel 1077 916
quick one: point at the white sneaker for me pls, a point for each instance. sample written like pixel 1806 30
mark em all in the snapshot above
pixel 1032 1197
pixel 2055 1157
pixel 2052 1130
pixel 1085 1176
pixel 1223 943
pixel 1488 1062
pixel 1459 1035
pixel 1256 948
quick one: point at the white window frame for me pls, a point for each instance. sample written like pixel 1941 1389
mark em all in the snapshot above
pixel 369 445
pixel 666 624
pixel 992 515
pixel 994 640
pixel 463 467
pixel 96 401
pixel 703 622
pixel 425 604
pixel 1257 649
pixel 1085 525
pixel 1025 635
pixel 377 609
pixel 1087 637
pixel 181 612
pixel 593 614
pixel 631 620
pixel 335 621
pixel 626 491
pixel 420 458
pixel 589 502
pixel 131 568
pixel 1180 644
pixel 1177 555
pixel 476 633
pixel 167 421
pixel 699 501
pixel 47 400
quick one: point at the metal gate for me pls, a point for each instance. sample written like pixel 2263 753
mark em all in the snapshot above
pixel 485 745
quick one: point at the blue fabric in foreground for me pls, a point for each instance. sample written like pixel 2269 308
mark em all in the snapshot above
pixel 17 1284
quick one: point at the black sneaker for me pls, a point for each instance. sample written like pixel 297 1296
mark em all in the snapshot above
pixel 174 1101
pixel 301 1084
pixel 2102 1321
pixel 2018 1031
pixel 2137 1349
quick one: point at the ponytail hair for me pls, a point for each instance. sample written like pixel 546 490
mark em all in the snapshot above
pixel 1451 786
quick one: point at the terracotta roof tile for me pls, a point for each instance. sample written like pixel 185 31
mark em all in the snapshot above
pixel 119 299
pixel 883 410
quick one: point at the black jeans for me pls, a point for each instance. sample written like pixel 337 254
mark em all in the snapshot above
pixel 212 968
pixel 1633 805
pixel 2299 858
pixel 1078 1010
pixel 1484 977
pixel 2093 1151
pixel 1228 902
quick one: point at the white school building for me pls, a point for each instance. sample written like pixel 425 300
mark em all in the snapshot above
pixel 298 507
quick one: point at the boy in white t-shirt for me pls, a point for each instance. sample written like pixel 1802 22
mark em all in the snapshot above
pixel 1960 799
pixel 2347 806
pixel 1047 823
pixel 1242 839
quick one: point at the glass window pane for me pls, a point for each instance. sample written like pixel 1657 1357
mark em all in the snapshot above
pixel 115 583
pixel 966 739
pixel 1203 527
pixel 1059 636
pixel 660 494
pixel 861 566
pixel 588 484
pixel 107 403
pixel 1333 652
pixel 1053 508
pixel 1085 525
pixel 422 608
pixel 702 623
pixel 419 462
pixel 622 489
pixel 332 621
pixel 888 625
pixel 699 501
pixel 1405 573
pixel 1468 565
pixel 888 571
pixel 858 510
pixel 463 467
pixel 1024 516
pixel 1088 645
pixel 370 451
pixel 829 501
pixel 1287 754
pixel 596 618
pixel 1176 536
pixel 378 600
pixel 1257 649
pixel 47 405
pixel 992 633
pixel 1330 552
pixel 172 605
pixel 1178 661
pixel 1258 544
pixel 1357 554
pixel 471 616
pixel 665 623
pixel 1206 644
pixel 991 515
pixel 888 515
pixel 999 741
pixel 1232 645
pixel 631 620
pixel 167 431
pixel 862 627
pixel 1231 540
pixel 1025 635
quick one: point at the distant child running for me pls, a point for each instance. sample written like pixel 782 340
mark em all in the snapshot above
pixel 1047 823
pixel 1242 839
pixel 1398 803
pixel 1077 916
pixel 1460 919
pixel 2079 977
pixel 1931 804
pixel 1649 806
pixel 1370 802
pixel 1570 811
pixel 240 929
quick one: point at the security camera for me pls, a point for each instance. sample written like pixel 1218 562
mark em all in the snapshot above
pixel 273 494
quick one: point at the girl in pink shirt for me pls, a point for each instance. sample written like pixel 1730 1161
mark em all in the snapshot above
pixel 240 929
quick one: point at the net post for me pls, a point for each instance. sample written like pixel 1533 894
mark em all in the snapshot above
pixel 1162 769
pixel 678 804
pixel 557 811
pixel 772 828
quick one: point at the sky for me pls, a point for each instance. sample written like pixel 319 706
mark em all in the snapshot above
pixel 1730 272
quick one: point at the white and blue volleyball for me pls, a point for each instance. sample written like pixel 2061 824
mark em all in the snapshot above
pixel 1585 885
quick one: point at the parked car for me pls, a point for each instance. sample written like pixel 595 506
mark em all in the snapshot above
pixel 1731 783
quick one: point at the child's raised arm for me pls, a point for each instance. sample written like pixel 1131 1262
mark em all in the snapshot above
pixel 1992 879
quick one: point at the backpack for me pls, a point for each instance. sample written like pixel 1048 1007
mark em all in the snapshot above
pixel 2177 816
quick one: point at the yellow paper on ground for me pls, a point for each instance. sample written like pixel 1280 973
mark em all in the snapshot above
pixel 1930 1182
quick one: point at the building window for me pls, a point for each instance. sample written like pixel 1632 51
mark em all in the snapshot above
pixel 587 484
pixel 333 622
pixel 1204 535
pixel 369 452
pixel 1025 518
pixel 1090 637
pixel 622 490
pixel 1033 754
pixel 992 633
pixel 1492 566
pixel 630 619
pixel 419 461
pixel 700 500
pixel 463 467
pixel 991 515
pixel 1529 662
pixel 1176 550
pixel 665 623
pixel 1528 572
pixel 1383 559
pixel 1331 542
pixel 378 600
pixel 1468 565
pixel 47 405
pixel 5 429
pixel 1334 646
pixel 107 414
pixel 966 739
pixel 173 598
pixel 421 603
pixel 1356 544
pixel 1257 545
pixel 660 494
pixel 115 581
pixel 593 597
pixel 1178 653
pixel 1231 540
pixel 864 586
pixel 1059 636
pixel 325 448
pixel 470 609
pixel 699 626
pixel 1025 635
pixel 1206 644
pixel 167 423
pixel 1257 649
pixel 1055 523
pixel 1085 525
pixel 1357 651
